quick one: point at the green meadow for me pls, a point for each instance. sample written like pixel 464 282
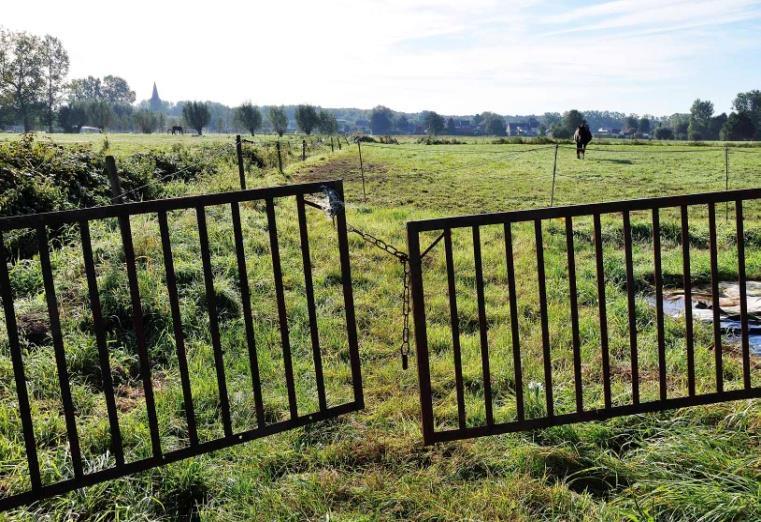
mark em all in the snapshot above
pixel 701 463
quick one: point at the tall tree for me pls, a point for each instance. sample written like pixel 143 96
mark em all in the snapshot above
pixel 403 125
pixel 433 122
pixel 89 88
pixel 327 122
pixel 451 126
pixel 631 124
pixel 73 116
pixel 715 125
pixel 100 114
pixel 700 117
pixel 738 127
pixel 278 119
pixel 112 89
pixel 643 126
pixel 21 76
pixel 679 124
pixel 145 120
pixel 306 118
pixel 572 119
pixel 116 90
pixel 749 103
pixel 551 119
pixel 196 115
pixel 494 124
pixel 381 120
pixel 249 117
pixel 55 67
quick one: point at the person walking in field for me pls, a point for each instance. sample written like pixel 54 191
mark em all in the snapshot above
pixel 582 137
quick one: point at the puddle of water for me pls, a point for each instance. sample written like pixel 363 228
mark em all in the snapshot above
pixel 729 302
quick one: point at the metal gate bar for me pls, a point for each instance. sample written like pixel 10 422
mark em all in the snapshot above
pixel 551 417
pixel 160 208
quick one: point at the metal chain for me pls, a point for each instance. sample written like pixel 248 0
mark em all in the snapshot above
pixel 404 349
pixel 389 249
pixel 331 209
pixel 334 203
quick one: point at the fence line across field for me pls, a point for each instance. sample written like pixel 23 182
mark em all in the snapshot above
pixel 509 154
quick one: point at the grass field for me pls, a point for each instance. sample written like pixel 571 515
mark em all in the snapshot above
pixel 695 464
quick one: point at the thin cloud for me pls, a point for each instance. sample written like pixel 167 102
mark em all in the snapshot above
pixel 452 56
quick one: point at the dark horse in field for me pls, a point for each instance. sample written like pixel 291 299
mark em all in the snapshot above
pixel 176 129
pixel 582 137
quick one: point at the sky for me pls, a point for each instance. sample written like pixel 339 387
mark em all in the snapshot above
pixel 454 57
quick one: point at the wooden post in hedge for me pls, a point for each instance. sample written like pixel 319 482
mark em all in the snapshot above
pixel 113 178
pixel 279 157
pixel 241 172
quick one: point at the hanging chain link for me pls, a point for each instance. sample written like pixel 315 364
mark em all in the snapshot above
pixel 404 349
pixel 333 204
pixel 389 249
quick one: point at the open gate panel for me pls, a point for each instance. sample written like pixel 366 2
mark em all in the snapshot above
pixel 263 201
pixel 508 341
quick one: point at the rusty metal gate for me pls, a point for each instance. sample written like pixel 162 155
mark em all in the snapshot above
pixel 537 222
pixel 80 220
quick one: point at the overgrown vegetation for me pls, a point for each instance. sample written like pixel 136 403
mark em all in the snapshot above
pixel 38 175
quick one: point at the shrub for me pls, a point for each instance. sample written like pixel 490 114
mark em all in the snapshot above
pixel 40 176
pixel 428 140
pixel 664 133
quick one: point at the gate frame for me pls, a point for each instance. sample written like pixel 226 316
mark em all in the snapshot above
pixel 122 212
pixel 623 207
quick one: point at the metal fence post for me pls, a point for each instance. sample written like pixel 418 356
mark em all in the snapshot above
pixel 241 172
pixel 554 174
pixel 726 180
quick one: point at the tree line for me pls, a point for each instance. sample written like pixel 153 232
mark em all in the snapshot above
pixel 36 93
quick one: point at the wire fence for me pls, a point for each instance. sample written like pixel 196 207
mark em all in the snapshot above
pixel 723 174
pixel 280 153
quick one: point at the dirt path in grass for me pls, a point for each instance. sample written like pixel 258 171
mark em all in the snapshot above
pixel 346 169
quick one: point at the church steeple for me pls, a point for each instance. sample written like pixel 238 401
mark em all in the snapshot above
pixel 155 100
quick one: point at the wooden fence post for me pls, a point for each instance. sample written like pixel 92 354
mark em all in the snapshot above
pixel 279 157
pixel 113 178
pixel 362 170
pixel 331 145
pixel 303 150
pixel 241 172
pixel 554 174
